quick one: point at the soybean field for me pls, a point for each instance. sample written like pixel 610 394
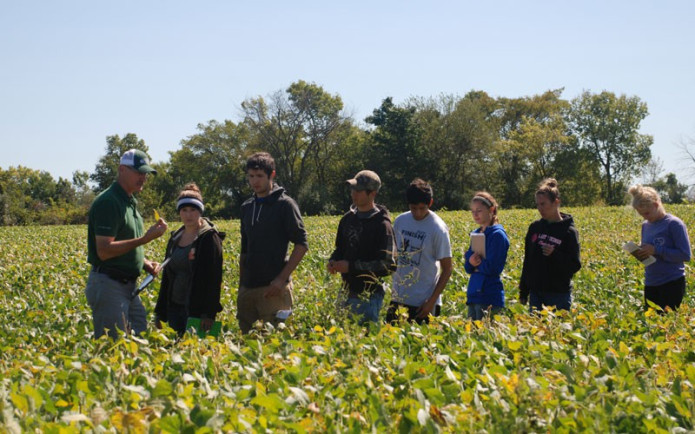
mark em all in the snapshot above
pixel 606 366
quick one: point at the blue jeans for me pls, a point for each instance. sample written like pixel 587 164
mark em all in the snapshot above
pixel 478 311
pixel 367 309
pixel 559 300
pixel 112 307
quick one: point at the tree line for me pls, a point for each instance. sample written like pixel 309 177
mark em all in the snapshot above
pixel 590 143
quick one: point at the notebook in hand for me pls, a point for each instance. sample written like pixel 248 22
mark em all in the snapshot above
pixel 631 248
pixel 478 243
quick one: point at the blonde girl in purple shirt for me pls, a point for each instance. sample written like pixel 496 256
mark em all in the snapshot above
pixel 665 237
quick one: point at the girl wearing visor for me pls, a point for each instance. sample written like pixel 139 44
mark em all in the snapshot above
pixel 192 279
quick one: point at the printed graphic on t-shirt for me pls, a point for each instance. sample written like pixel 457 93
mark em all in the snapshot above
pixel 659 241
pixel 411 247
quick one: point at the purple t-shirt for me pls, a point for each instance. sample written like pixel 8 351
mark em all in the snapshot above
pixel 669 236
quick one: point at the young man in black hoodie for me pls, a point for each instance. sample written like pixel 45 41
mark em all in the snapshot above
pixel 364 248
pixel 270 220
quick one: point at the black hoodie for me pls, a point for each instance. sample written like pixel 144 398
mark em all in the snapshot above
pixel 268 224
pixel 369 246
pixel 550 273
pixel 206 280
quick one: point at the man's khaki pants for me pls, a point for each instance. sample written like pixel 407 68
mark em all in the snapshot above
pixel 253 305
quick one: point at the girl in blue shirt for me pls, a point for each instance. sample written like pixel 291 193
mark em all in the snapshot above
pixel 485 290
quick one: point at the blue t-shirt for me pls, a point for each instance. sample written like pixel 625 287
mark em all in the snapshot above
pixel 669 236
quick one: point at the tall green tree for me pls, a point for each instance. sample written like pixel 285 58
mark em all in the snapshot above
pixel 106 169
pixel 531 133
pixel 84 194
pixel 395 151
pixel 304 128
pixel 157 193
pixel 579 175
pixel 29 196
pixel 214 159
pixel 608 127
pixel 670 190
pixel 80 179
pixel 17 207
pixel 457 134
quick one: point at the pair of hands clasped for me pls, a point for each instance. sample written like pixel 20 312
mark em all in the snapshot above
pixel 547 249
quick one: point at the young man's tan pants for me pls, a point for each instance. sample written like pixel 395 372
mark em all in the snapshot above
pixel 253 305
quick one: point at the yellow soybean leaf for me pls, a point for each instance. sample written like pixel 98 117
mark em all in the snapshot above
pixel 133 347
pixel 156 215
pixel 33 394
pixel 20 402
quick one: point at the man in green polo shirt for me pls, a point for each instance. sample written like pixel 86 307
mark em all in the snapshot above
pixel 115 242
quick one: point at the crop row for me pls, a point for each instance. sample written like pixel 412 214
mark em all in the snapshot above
pixel 605 366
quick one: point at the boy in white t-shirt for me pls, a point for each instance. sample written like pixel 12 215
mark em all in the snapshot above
pixel 424 257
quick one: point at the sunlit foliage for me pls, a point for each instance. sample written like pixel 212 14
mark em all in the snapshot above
pixel 606 366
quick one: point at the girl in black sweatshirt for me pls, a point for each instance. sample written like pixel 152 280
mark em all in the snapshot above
pixel 551 253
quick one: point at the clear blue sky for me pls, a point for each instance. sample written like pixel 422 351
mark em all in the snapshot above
pixel 74 72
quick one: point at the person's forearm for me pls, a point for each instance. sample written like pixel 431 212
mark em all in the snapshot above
pixel 296 256
pixel 107 249
pixel 674 255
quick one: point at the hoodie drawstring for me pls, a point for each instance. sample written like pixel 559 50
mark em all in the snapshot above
pixel 255 219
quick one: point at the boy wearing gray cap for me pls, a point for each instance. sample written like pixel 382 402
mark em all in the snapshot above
pixel 364 248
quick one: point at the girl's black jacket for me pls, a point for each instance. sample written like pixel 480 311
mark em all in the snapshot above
pixel 550 273
pixel 206 281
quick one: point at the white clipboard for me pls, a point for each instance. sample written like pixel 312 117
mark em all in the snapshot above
pixel 631 248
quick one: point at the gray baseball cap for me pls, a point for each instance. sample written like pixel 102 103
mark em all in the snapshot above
pixel 365 180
